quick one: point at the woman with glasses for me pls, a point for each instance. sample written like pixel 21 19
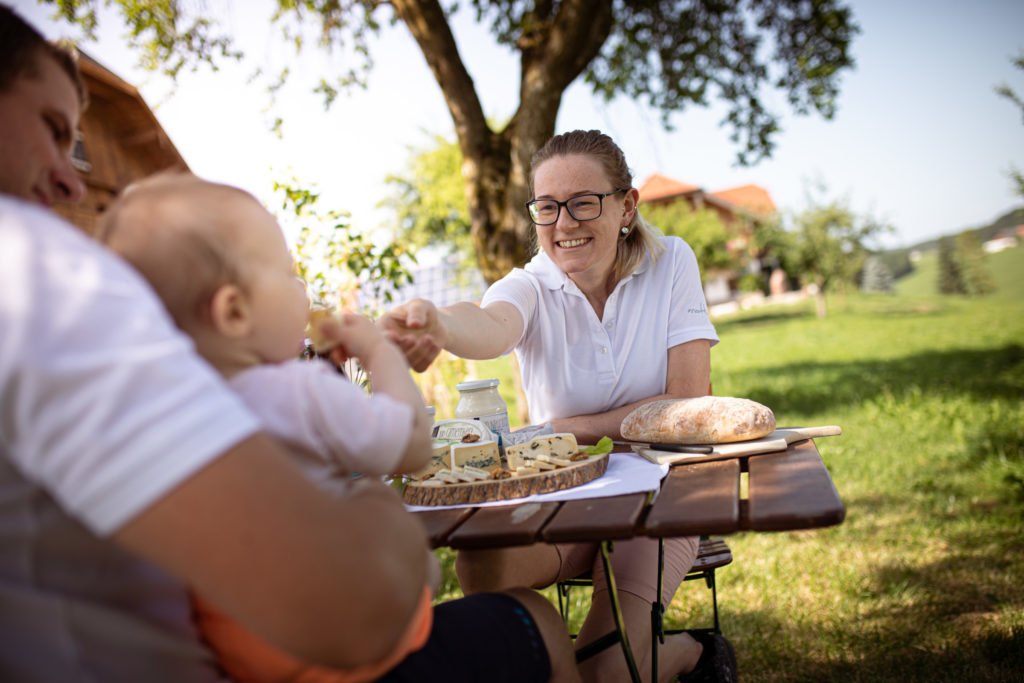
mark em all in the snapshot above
pixel 608 315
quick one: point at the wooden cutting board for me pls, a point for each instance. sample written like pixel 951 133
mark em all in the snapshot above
pixel 577 474
pixel 778 440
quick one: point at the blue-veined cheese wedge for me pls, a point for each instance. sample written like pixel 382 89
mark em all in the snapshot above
pixel 480 454
pixel 439 460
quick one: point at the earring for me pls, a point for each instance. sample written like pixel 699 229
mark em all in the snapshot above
pixel 625 230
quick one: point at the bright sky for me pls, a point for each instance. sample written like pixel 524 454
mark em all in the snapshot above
pixel 920 139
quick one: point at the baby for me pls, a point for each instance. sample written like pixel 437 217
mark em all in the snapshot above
pixel 220 264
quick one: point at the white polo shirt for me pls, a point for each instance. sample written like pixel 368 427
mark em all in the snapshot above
pixel 104 408
pixel 575 364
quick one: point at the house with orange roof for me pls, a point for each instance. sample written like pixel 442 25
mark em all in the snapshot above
pixel 736 206
pixel 741 209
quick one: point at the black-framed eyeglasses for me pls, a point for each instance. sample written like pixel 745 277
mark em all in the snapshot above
pixel 584 207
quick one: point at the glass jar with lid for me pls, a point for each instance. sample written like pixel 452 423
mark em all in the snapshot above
pixel 480 400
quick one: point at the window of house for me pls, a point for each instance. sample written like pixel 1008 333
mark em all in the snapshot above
pixel 78 157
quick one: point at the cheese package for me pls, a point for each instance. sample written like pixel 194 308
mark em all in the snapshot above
pixel 562 445
pixel 480 454
pixel 458 430
pixel 439 460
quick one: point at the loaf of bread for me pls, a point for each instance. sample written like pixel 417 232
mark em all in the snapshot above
pixel 701 420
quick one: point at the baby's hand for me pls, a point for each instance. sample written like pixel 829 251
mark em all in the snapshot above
pixel 356 336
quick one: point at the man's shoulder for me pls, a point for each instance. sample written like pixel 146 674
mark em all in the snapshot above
pixel 42 231
pixel 15 212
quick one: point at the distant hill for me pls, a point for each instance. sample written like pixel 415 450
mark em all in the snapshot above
pixel 898 260
pixel 984 233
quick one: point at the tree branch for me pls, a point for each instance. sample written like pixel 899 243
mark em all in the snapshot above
pixel 429 27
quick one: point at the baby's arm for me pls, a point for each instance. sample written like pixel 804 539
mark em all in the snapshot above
pixel 359 338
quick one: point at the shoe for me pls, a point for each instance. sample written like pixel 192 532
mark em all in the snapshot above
pixel 717 663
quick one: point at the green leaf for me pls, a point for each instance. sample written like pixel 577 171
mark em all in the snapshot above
pixel 602 447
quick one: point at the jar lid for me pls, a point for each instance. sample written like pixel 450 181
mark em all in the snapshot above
pixel 476 385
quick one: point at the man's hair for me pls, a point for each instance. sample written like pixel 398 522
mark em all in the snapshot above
pixel 21 48
pixel 641 237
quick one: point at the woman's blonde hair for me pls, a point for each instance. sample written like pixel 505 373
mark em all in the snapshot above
pixel 641 238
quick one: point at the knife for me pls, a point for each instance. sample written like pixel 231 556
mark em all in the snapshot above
pixel 671 447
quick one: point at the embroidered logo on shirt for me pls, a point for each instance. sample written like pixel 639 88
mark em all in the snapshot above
pixel 701 309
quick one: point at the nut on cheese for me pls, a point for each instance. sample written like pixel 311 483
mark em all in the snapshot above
pixel 480 454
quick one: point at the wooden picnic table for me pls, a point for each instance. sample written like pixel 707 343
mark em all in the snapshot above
pixel 780 491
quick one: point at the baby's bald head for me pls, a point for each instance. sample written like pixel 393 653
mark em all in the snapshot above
pixel 186 236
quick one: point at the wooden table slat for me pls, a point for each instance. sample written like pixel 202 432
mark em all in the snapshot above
pixel 596 519
pixel 440 523
pixel 697 499
pixel 791 490
pixel 499 527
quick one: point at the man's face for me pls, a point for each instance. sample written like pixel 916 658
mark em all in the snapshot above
pixel 38 118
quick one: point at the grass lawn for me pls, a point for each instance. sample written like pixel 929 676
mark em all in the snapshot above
pixel 924 581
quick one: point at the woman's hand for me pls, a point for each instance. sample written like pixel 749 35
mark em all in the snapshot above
pixel 417 329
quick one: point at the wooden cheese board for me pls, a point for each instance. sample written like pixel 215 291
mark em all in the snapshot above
pixel 578 473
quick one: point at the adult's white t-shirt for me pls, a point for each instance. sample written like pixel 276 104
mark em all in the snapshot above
pixel 104 407
pixel 576 364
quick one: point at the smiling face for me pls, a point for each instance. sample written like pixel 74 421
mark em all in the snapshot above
pixel 584 250
pixel 38 117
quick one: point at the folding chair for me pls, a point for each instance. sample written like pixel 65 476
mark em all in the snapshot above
pixel 711 554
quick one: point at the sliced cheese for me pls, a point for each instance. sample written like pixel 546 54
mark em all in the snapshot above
pixel 447 477
pixel 463 475
pixel 476 472
pixel 561 445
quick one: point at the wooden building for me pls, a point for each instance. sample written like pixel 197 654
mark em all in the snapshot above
pixel 120 142
pixel 741 209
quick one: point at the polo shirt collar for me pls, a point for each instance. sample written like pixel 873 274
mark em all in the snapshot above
pixel 551 276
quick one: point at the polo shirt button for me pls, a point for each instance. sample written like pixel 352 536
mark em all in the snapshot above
pixel 608 324
pixel 604 349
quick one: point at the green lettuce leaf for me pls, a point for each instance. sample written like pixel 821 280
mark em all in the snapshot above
pixel 603 446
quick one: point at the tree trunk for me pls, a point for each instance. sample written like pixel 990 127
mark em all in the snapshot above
pixel 819 299
pixel 554 51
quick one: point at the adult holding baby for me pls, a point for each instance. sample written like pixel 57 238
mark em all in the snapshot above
pixel 607 316
pixel 129 471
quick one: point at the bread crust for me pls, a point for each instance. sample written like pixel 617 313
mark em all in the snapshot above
pixel 318 315
pixel 700 420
